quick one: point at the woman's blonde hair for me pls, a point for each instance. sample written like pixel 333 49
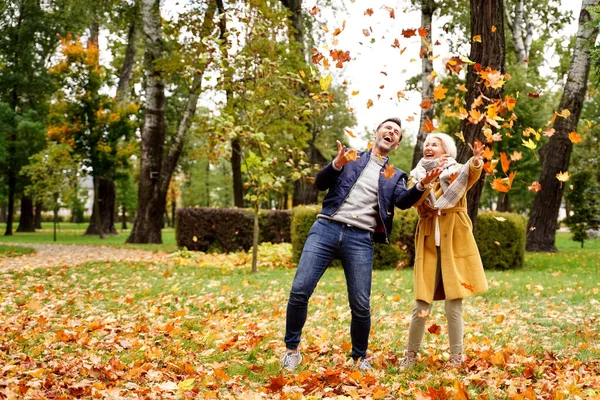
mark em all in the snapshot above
pixel 447 142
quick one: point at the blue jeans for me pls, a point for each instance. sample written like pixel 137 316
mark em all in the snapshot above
pixel 354 247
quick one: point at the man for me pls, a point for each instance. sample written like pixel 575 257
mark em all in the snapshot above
pixel 357 211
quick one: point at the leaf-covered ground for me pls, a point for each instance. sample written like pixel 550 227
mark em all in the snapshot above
pixel 203 326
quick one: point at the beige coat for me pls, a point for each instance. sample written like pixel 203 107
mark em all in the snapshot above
pixel 462 270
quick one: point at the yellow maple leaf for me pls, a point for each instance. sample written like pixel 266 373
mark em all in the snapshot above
pixel 477 38
pixel 460 135
pixel 355 92
pixel 563 176
pixel 325 81
pixel 439 92
pixel 530 144
pixel 462 88
pixel 564 113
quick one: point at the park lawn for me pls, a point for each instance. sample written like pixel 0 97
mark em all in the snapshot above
pixel 204 326
pixel 14 251
pixel 70 233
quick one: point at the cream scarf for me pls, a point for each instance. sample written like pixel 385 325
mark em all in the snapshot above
pixel 453 181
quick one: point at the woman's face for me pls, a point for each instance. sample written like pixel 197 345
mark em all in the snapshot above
pixel 433 149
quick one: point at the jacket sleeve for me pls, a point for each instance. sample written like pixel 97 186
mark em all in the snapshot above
pixel 474 173
pixel 404 198
pixel 327 177
pixel 424 193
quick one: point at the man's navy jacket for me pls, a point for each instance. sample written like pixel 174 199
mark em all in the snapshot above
pixel 392 192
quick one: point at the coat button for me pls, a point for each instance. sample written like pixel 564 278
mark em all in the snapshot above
pixel 445 235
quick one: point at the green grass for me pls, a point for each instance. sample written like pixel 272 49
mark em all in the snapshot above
pixel 14 251
pixel 224 318
pixel 70 233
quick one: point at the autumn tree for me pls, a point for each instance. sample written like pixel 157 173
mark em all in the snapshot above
pixel 161 150
pixel 53 173
pixel 488 55
pixel 556 154
pixel 28 38
pixel 98 127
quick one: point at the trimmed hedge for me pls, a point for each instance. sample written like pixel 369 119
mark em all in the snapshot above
pixel 401 248
pixel 501 239
pixel 509 233
pixel 227 229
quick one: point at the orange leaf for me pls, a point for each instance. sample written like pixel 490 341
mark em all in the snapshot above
pixel 516 156
pixel 351 155
pixel 462 88
pixel 435 329
pixel 423 32
pixel 407 33
pixel 575 137
pixel 488 153
pixel 549 132
pixel 314 11
pixel 489 166
pixel 349 132
pixel 494 28
pixel 504 161
pixel 428 126
pixel 389 172
pixel 355 92
pixel 425 104
pixel 369 103
pixel 477 38
pixel 369 11
pixel 535 187
pixel 470 288
pixel 277 383
pixel 439 92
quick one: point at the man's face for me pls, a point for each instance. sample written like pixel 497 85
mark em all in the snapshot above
pixel 387 138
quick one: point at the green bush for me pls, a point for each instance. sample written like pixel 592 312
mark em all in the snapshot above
pixel 228 229
pixel 401 248
pixel 500 238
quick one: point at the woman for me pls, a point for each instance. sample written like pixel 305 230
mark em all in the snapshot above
pixel 447 262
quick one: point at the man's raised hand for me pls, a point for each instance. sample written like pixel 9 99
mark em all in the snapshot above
pixel 344 156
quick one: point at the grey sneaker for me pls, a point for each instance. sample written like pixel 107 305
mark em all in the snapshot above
pixel 364 364
pixel 456 360
pixel 291 360
pixel 409 360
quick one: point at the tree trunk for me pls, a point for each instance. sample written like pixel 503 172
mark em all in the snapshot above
pixel 236 169
pixel 37 223
pixel 173 211
pixel 503 202
pixel 3 213
pixel 255 240
pixel 427 9
pixel 26 223
pixel 12 182
pixel 124 85
pixel 556 154
pixel 106 194
pixel 489 53
pixel 156 170
pixel 123 217
pixel 305 192
pixel 295 7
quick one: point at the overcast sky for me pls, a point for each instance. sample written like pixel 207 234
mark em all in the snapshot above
pixel 376 55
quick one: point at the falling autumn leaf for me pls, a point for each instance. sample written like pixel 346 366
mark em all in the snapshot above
pixel 575 137
pixel 369 103
pixel 470 288
pixel 563 176
pixel 369 11
pixel 351 155
pixel 549 132
pixel 408 33
pixel 391 11
pixel 477 38
pixel 423 32
pixel 349 132
pixel 494 28
pixel 439 92
pixel 355 92
pixel 425 104
pixel 462 88
pixel 428 126
pixel 504 161
pixel 489 166
pixel 535 187
pixel 325 82
pixel 314 11
pixel 389 172
pixel 516 156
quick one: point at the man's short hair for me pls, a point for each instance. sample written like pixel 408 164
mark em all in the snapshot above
pixel 391 119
